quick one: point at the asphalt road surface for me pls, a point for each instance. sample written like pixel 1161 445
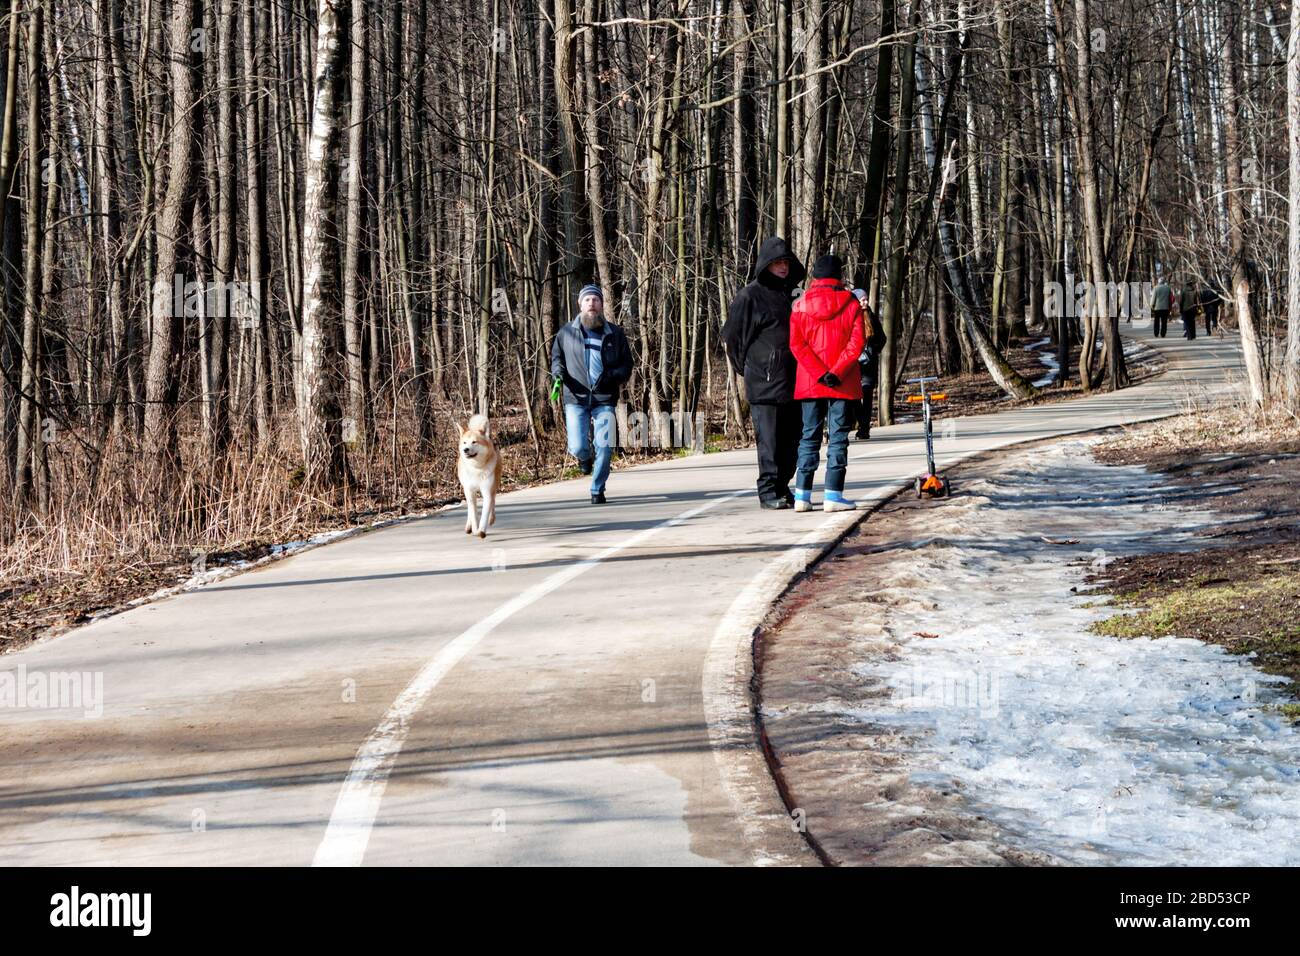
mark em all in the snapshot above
pixel 571 690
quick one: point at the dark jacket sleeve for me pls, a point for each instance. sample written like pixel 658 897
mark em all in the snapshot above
pixel 557 356
pixel 876 333
pixel 560 366
pixel 737 331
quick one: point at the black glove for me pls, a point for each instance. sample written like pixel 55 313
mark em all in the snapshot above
pixel 830 380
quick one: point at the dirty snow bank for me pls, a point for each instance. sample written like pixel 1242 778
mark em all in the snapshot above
pixel 1094 750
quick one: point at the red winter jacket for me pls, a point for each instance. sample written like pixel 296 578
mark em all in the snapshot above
pixel 827 334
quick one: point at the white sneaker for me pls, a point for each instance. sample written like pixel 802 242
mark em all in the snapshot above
pixel 803 502
pixel 839 504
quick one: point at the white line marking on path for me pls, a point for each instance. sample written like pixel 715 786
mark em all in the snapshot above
pixel 348 832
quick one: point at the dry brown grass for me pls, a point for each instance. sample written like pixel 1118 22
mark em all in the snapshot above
pixel 97 543
pixel 1229 424
pixel 125 508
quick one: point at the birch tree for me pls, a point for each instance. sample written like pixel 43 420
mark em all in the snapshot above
pixel 1291 362
pixel 320 426
pixel 1241 278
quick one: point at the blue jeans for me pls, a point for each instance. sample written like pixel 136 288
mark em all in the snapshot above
pixel 582 424
pixel 837 415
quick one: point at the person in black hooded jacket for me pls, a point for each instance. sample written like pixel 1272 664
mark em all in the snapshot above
pixel 757 339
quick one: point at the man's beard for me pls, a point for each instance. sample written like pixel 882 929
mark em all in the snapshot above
pixel 591 320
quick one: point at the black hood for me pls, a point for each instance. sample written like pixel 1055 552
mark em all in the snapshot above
pixel 773 248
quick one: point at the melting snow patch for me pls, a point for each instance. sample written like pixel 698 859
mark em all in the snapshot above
pixel 1049 362
pixel 1097 750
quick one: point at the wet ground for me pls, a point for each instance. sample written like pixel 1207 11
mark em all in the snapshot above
pixel 1242 589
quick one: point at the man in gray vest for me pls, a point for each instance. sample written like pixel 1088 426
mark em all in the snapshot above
pixel 591 358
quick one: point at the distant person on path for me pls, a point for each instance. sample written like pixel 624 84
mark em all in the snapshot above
pixel 1161 301
pixel 1211 299
pixel 757 338
pixel 868 366
pixel 826 336
pixel 591 358
pixel 1188 302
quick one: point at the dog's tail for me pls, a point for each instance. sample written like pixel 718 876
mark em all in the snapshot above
pixel 478 423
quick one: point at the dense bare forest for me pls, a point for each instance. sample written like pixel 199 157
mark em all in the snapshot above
pixel 260 256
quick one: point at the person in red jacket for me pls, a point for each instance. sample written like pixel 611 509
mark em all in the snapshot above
pixel 826 337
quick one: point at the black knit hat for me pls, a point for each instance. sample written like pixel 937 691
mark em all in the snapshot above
pixel 828 267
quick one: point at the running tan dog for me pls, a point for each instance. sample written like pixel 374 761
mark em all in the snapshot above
pixel 479 469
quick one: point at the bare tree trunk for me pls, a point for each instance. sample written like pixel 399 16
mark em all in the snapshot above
pixel 948 342
pixel 1099 312
pixel 1007 378
pixel 47 371
pixel 10 330
pixel 974 191
pixel 1054 141
pixel 224 214
pixel 595 151
pixel 878 154
pixel 418 380
pixel 9 138
pixel 113 414
pixel 257 336
pixel 745 139
pixel 359 432
pixel 1144 184
pixel 1291 362
pixel 808 239
pixel 578 263
pixel 322 448
pixel 784 19
pixel 549 255
pixel 163 377
pixel 1241 277
pixel 1002 225
pixel 30 386
pixel 891 314
pixel 487 289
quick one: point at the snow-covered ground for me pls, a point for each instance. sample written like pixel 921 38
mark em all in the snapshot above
pixel 1093 749
pixel 1139 355
pixel 1048 358
pixel 1136 355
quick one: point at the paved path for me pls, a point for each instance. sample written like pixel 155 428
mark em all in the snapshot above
pixel 572 690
